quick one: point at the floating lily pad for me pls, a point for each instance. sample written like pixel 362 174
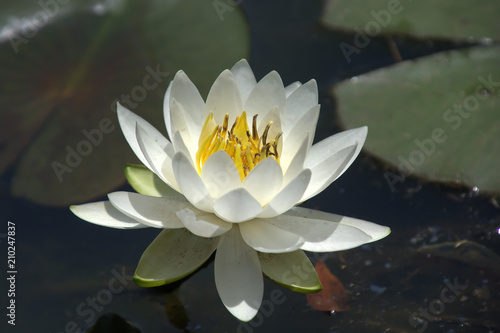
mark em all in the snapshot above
pixel 59 86
pixel 461 20
pixel 435 117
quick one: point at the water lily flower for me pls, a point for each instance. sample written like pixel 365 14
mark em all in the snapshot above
pixel 238 163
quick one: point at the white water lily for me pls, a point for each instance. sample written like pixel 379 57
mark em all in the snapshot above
pixel 240 162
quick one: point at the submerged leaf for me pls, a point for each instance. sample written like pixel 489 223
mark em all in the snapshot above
pixel 333 297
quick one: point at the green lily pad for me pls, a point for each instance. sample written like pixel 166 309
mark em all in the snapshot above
pixel 146 182
pixel 292 270
pixel 461 20
pixel 435 117
pixel 59 86
pixel 174 254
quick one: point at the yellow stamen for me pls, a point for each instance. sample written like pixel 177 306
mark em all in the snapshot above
pixel 246 148
pixel 238 162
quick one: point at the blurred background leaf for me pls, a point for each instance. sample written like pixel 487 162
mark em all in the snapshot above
pixel 459 20
pixel 435 117
pixel 61 79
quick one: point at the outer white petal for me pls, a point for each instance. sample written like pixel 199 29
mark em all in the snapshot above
pixel 181 123
pixel 103 213
pixel 288 196
pixel 322 235
pixel 187 95
pixel 345 145
pixel 292 87
pixel 238 276
pixel 264 181
pixel 268 93
pixel 326 172
pixel 297 164
pixel 203 225
pixel 375 231
pixel 245 78
pixel 298 103
pixel 190 183
pixel 237 206
pixel 265 237
pixel 224 97
pixel 160 163
pixel 156 212
pixel 166 110
pixel 305 126
pixel 128 121
pixel 220 174
pixel 180 146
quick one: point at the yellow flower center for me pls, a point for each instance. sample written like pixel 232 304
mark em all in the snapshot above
pixel 246 148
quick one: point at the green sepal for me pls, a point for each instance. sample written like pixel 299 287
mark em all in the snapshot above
pixel 146 182
pixel 292 270
pixel 173 254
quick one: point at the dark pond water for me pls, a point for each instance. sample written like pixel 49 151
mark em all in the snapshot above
pixel 412 281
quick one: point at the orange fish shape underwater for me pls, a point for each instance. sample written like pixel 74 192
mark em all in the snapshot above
pixel 333 297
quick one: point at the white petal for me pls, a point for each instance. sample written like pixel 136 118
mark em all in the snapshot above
pixel 128 121
pixel 160 163
pixel 299 102
pixel 237 206
pixel 186 94
pixel 224 97
pixel 265 237
pixel 190 183
pixel 245 78
pixel 103 213
pixel 264 181
pixel 326 172
pixel 156 212
pixel 203 225
pixel 322 235
pixel 183 125
pixel 220 174
pixel 238 276
pixel 375 231
pixel 292 87
pixel 305 126
pixel 288 196
pixel 268 93
pixel 166 110
pixel 274 116
pixel 180 146
pixel 297 164
pixel 329 158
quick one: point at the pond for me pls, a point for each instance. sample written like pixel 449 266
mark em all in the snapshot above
pixel 438 270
